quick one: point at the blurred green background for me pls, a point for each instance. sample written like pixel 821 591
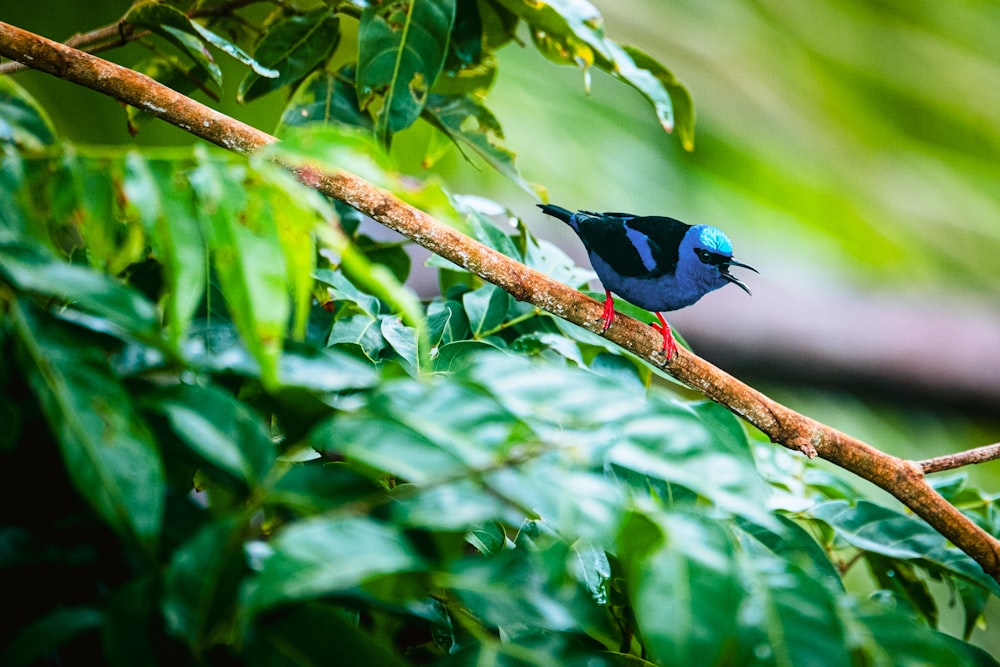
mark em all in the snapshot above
pixel 850 150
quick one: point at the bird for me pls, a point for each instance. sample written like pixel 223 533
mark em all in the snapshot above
pixel 655 262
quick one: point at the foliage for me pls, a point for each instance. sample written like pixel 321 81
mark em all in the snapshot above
pixel 235 436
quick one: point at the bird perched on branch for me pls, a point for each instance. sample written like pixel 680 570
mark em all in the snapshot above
pixel 654 262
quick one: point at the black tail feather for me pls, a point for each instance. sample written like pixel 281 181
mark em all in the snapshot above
pixel 556 212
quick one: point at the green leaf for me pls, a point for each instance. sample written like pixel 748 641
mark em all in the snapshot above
pixel 176 237
pixel 202 582
pixel 43 637
pixel 467 122
pixel 288 636
pixel 324 556
pixel 565 31
pixel 23 123
pixel 220 430
pixel 688 560
pixel 115 308
pixel 680 99
pixel 448 507
pixel 453 357
pixel 171 24
pixel 108 451
pixel 325 97
pixel 402 339
pixel 789 615
pixel 486 308
pixel 248 261
pixel 293 46
pixel 894 639
pixel 895 535
pixel 402 47
pixel 513 589
pixel 315 487
pixel 649 85
pixel 233 50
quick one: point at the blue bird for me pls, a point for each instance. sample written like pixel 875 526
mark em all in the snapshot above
pixel 654 262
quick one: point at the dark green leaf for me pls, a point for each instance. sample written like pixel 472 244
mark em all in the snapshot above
pixel 201 584
pixel 895 535
pixel 326 97
pixel 23 122
pixel 467 122
pixel 45 636
pixel 171 24
pixel 319 557
pixel 402 47
pixel 106 447
pixel 288 636
pixel 293 46
pixel 894 639
pixel 220 430
pixel 313 487
pixel 117 309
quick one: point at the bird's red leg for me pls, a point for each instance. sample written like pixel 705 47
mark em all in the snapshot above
pixel 609 311
pixel 669 345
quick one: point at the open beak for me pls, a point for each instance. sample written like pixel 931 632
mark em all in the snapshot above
pixel 724 270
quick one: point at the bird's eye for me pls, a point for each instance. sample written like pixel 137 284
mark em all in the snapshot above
pixel 704 255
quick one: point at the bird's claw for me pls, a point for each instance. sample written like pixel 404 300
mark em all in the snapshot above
pixel 669 350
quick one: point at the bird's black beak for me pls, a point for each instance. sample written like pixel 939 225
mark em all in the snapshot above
pixel 724 270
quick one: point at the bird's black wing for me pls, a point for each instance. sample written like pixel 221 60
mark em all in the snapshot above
pixel 605 235
pixel 665 236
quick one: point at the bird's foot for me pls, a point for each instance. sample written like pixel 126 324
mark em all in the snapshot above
pixel 608 316
pixel 669 344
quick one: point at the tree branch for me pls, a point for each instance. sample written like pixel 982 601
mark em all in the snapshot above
pixel 952 461
pixel 903 479
pixel 120 33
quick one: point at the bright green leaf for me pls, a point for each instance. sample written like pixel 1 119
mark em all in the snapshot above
pixel 486 308
pixel 688 560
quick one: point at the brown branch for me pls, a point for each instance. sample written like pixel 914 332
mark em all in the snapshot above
pixel 120 33
pixel 903 479
pixel 952 461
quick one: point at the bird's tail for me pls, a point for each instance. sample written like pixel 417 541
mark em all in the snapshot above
pixel 558 212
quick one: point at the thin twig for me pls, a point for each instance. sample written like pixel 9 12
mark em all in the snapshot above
pixel 952 461
pixel 903 479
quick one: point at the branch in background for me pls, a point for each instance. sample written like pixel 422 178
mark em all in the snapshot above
pixel 903 479
pixel 952 461
pixel 121 33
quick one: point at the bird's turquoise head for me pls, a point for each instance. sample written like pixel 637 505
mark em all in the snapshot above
pixel 706 255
